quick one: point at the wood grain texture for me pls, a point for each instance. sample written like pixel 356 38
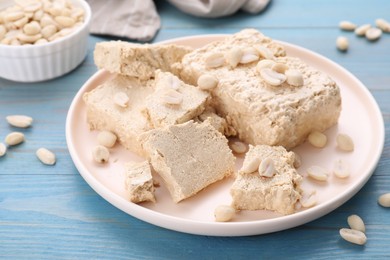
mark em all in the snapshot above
pixel 51 213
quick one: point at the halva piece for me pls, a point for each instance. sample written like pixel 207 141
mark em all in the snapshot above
pixel 279 193
pixel 127 123
pixel 188 157
pixel 263 113
pixel 139 182
pixel 137 60
pixel 173 101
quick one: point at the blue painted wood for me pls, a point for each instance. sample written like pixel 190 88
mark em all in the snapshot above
pixel 50 212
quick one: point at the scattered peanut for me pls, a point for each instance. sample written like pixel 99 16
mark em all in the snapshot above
pixel 384 200
pixel 19 121
pixel 383 25
pixel 308 200
pixel 100 154
pixel 238 147
pixel 345 143
pixel 3 149
pixel 361 30
pixel 353 236
pixel 341 169
pixel 373 34
pixel 106 138
pixel 356 223
pixel 224 213
pixel 14 138
pixel 46 156
pixel 317 139
pixel 342 43
pixel 318 173
pixel 347 26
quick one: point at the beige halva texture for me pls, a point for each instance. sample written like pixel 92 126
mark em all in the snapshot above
pixel 159 114
pixel 279 193
pixel 260 113
pixel 188 157
pixel 139 182
pixel 136 60
pixel 186 141
pixel 127 123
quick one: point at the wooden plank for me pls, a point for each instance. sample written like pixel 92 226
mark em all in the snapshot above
pixel 61 216
pixel 283 14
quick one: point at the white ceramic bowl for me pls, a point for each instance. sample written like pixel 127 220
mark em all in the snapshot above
pixel 33 63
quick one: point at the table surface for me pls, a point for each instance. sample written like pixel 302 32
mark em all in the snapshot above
pixel 51 212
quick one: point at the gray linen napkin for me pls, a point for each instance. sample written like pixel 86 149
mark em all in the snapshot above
pixel 133 19
pixel 139 20
pixel 219 8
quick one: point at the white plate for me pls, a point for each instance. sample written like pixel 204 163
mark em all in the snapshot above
pixel 360 118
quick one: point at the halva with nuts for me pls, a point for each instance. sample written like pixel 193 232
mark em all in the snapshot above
pixel 176 106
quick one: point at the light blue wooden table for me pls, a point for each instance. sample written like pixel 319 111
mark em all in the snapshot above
pixel 51 213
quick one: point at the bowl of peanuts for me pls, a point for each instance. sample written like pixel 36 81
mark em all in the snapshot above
pixel 42 39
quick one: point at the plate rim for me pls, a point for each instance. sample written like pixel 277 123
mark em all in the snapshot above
pixel 244 228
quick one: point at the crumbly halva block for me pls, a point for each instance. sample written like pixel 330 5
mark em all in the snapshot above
pixel 160 114
pixel 260 113
pixel 127 123
pixel 188 157
pixel 139 182
pixel 218 122
pixel 279 193
pixel 194 64
pixel 137 60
